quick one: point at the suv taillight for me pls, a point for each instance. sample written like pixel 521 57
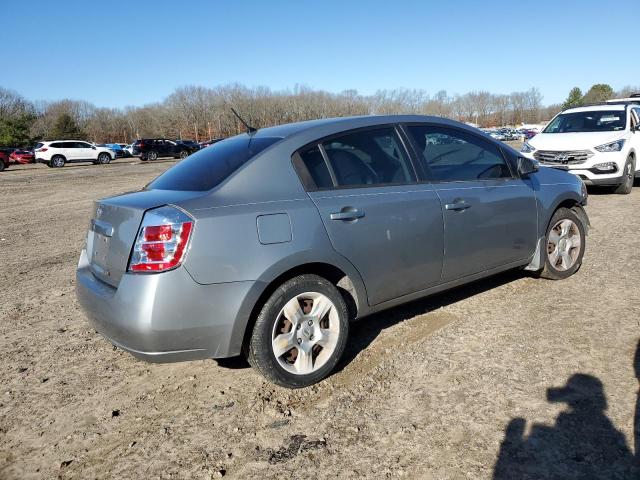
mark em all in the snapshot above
pixel 43 149
pixel 162 240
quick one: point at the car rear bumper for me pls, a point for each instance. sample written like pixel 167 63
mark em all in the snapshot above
pixel 167 317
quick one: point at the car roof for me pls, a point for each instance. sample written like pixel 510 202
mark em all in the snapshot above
pixel 592 108
pixel 347 123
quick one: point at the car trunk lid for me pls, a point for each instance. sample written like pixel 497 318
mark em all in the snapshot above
pixel 114 226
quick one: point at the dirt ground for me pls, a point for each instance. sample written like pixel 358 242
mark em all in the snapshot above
pixel 466 384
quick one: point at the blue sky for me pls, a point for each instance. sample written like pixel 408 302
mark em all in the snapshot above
pixel 118 53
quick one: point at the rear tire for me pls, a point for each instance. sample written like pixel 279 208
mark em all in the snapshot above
pixel 183 154
pixel 2 165
pixel 311 341
pixel 564 245
pixel 152 155
pixel 627 177
pixel 57 161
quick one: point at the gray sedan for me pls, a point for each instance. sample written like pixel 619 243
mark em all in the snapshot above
pixel 267 244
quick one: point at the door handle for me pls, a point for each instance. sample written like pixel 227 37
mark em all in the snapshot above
pixel 347 213
pixel 457 206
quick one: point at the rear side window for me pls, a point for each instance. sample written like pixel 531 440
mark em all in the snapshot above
pixel 452 155
pixel 316 169
pixel 207 168
pixel 57 145
pixel 369 157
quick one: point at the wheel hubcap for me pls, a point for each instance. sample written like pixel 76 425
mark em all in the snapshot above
pixel 306 332
pixel 563 245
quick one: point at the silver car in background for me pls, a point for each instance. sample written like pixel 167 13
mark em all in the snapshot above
pixel 268 243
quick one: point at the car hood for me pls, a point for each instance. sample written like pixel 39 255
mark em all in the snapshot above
pixel 573 141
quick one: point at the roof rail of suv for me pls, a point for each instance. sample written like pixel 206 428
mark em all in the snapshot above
pixel 614 101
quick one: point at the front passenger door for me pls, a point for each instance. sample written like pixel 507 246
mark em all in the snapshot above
pixel 490 214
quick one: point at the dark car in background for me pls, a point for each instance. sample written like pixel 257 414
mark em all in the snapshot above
pixel 210 142
pixel 269 243
pixel 154 148
pixel 190 144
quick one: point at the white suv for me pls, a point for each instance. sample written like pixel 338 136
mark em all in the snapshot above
pixel 57 153
pixel 600 144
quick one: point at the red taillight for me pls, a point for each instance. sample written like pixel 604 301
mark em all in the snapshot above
pixel 159 233
pixel 162 240
pixel 44 149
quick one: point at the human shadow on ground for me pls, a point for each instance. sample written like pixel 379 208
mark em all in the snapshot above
pixel 582 444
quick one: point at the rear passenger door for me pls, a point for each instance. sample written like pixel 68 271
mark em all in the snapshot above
pixel 375 212
pixel 84 151
pixel 70 151
pixel 490 214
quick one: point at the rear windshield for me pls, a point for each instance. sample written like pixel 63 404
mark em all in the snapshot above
pixel 207 168
pixel 594 121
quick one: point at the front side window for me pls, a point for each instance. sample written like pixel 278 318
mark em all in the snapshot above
pixel 369 157
pixel 452 155
pixel 593 121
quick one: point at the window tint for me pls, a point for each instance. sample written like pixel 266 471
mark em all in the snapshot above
pixel 207 168
pixel 452 155
pixel 316 168
pixel 57 145
pixel 82 145
pixel 370 157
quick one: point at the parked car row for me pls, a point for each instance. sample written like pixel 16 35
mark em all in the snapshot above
pixel 510 134
pixel 58 153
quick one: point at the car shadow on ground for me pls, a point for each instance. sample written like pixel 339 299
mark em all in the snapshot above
pixel 364 332
pixel 582 443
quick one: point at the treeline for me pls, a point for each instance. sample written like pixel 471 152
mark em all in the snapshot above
pixel 200 113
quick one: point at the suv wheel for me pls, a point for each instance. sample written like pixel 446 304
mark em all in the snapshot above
pixel 57 161
pixel 300 333
pixel 565 243
pixel 183 154
pixel 104 158
pixel 627 178
pixel 152 155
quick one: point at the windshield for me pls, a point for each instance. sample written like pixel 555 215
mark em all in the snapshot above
pixel 207 168
pixel 593 121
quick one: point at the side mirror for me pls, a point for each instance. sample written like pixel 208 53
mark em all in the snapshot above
pixel 526 166
pixel 637 128
pixel 93 148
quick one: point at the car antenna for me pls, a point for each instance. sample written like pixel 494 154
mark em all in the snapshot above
pixel 250 129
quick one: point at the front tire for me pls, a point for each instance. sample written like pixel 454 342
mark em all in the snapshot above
pixel 104 158
pixel 628 177
pixel 300 333
pixel 183 154
pixel 57 161
pixel 564 245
